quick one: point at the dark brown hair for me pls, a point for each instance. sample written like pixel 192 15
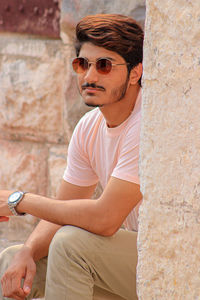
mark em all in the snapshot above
pixel 114 32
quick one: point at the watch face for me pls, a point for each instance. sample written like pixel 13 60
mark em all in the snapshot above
pixel 14 197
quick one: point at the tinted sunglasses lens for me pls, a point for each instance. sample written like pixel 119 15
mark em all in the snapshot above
pixel 80 64
pixel 104 66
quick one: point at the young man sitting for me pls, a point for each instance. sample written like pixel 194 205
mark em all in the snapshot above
pixel 83 238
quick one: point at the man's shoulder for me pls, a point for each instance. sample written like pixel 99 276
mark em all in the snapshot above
pixel 89 119
pixel 134 122
pixel 95 112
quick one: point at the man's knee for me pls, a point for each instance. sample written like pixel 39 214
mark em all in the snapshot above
pixel 69 240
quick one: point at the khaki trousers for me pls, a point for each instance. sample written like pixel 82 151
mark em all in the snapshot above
pixel 84 266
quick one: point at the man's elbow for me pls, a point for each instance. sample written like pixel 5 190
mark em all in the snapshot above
pixel 108 233
pixel 108 222
pixel 108 229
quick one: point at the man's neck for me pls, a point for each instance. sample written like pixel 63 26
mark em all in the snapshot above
pixel 116 113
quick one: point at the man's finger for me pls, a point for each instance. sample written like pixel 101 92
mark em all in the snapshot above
pixel 16 290
pixel 4 219
pixel 10 289
pixel 16 297
pixel 28 280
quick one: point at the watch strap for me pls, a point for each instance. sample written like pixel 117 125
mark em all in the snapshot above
pixel 13 207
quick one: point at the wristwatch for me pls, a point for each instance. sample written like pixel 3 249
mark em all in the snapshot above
pixel 13 201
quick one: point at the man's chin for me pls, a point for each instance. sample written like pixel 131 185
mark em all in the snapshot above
pixel 93 105
pixel 90 101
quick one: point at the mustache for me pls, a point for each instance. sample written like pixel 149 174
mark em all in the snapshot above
pixel 92 85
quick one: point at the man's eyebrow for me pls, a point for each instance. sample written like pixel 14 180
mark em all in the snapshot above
pixel 101 57
pixel 107 57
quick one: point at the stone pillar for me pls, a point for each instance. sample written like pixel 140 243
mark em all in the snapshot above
pixel 169 230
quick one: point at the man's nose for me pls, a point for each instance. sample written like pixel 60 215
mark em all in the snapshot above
pixel 91 75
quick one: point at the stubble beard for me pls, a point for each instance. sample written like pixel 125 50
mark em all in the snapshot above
pixel 120 92
pixel 116 94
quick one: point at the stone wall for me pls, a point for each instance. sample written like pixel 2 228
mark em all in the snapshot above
pixel 40 105
pixel 169 228
pixel 34 130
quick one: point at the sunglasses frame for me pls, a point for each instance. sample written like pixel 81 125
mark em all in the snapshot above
pixel 89 63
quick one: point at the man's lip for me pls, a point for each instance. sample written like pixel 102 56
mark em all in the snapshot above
pixel 89 89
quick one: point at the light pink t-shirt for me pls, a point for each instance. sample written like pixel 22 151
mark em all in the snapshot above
pixel 97 152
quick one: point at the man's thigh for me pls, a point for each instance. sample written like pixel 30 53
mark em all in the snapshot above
pixel 116 265
pixel 111 261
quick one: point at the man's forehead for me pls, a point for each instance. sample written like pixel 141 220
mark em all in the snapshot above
pixel 93 52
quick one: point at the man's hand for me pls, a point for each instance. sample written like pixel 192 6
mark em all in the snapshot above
pixel 21 267
pixel 4 219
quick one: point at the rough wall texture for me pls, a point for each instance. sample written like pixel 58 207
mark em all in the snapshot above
pixel 169 241
pixel 39 17
pixel 40 105
pixel 72 11
pixel 32 121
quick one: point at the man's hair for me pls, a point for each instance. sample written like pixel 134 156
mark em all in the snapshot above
pixel 114 32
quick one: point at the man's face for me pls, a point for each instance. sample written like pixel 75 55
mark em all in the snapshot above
pixel 102 89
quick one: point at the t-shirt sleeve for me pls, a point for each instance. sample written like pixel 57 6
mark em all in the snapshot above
pixel 127 167
pixel 79 170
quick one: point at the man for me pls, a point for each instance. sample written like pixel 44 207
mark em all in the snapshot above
pixel 83 238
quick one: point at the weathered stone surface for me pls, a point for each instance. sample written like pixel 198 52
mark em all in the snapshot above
pixel 16 230
pixel 23 167
pixel 57 162
pixel 169 243
pixel 39 17
pixel 73 11
pixel 32 79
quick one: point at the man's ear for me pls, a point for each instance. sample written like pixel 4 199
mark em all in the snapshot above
pixel 135 74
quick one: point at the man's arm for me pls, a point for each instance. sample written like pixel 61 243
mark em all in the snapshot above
pixel 102 216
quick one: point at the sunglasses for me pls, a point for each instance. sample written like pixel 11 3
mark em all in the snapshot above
pixel 103 65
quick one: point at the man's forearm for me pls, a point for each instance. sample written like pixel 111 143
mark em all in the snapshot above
pixel 81 212
pixel 40 239
pixel 102 216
